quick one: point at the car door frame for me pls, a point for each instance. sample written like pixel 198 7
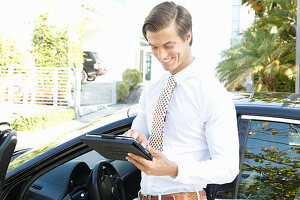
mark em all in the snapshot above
pixel 8 142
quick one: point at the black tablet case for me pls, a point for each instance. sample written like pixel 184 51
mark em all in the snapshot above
pixel 115 147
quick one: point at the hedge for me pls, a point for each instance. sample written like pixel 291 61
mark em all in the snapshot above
pixel 41 120
pixel 131 79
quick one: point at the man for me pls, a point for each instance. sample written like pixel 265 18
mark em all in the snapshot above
pixel 199 143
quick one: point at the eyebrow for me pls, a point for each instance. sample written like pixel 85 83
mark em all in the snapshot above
pixel 167 43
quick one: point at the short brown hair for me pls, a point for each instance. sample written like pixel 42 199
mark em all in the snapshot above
pixel 163 15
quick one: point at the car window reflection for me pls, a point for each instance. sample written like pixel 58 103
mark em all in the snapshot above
pixel 271 163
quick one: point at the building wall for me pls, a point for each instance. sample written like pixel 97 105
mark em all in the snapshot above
pixel 113 34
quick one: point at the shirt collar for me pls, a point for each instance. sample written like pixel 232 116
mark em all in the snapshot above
pixel 180 76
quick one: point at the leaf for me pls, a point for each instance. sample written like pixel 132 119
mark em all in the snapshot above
pixel 265 123
pixel 270 129
pixel 257 6
pixel 274 30
pixel 275 133
pixel 261 131
pixel 297 150
pixel 258 124
pixel 272 148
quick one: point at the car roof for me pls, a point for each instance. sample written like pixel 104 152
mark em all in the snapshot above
pixel 286 105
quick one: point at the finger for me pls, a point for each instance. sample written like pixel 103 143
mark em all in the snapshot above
pixel 131 133
pixel 136 163
pixel 127 133
pixel 137 134
pixel 139 159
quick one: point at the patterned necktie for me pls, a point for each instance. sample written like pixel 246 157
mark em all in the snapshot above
pixel 156 138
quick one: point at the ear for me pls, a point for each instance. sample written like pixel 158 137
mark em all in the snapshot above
pixel 188 36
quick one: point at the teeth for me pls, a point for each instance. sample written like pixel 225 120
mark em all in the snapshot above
pixel 166 61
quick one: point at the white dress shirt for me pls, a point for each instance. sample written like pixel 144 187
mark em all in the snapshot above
pixel 200 132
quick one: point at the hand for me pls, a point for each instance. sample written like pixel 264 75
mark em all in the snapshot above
pixel 139 136
pixel 159 166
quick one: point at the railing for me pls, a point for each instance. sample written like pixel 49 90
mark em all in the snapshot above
pixel 37 85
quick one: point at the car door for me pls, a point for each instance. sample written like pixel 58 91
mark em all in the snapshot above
pixel 8 141
pixel 270 159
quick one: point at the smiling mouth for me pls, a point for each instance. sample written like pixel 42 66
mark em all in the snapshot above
pixel 166 61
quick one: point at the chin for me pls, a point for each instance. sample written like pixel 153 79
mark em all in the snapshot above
pixel 169 69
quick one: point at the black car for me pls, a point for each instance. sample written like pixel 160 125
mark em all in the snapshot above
pixel 269 160
pixel 92 66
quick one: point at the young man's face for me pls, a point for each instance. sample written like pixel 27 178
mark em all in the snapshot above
pixel 171 51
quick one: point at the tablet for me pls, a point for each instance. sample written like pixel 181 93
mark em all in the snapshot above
pixel 115 147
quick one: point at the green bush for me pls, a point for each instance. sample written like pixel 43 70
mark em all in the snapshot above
pixel 38 121
pixel 131 79
pixel 123 90
pixel 133 76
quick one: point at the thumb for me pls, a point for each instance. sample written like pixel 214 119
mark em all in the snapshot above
pixel 154 153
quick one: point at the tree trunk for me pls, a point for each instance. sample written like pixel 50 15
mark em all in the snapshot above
pixel 269 81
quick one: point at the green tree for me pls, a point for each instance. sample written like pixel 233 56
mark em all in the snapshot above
pixel 267 49
pixel 53 46
pixel 50 44
pixel 9 54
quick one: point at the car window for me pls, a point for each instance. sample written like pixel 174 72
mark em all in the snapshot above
pixel 270 168
pixel 87 55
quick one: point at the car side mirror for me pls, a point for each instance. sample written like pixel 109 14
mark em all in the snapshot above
pixel 133 110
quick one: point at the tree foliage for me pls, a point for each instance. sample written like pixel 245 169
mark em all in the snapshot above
pixel 267 49
pixel 10 55
pixel 53 46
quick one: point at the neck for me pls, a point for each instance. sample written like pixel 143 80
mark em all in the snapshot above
pixel 189 59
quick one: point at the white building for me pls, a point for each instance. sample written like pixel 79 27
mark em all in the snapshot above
pixel 242 17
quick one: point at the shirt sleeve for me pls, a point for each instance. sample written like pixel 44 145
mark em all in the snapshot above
pixel 222 141
pixel 140 121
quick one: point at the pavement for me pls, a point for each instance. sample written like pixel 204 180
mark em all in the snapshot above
pixel 81 125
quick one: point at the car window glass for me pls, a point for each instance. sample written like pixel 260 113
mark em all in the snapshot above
pixel 270 167
pixel 88 55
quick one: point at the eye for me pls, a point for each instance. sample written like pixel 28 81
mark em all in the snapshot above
pixel 169 46
pixel 153 47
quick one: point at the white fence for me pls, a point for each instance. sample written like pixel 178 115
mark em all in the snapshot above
pixel 98 92
pixel 37 85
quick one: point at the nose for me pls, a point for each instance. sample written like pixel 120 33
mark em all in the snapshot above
pixel 161 54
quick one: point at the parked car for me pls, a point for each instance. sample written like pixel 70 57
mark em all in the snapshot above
pixel 92 66
pixel 269 160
